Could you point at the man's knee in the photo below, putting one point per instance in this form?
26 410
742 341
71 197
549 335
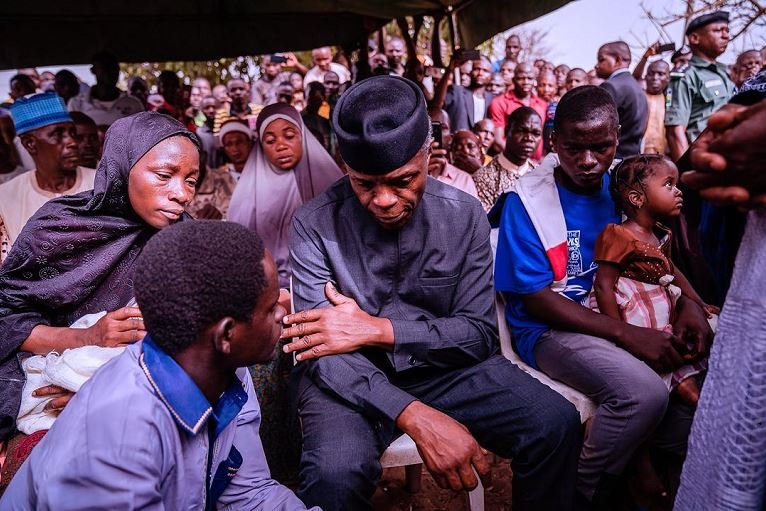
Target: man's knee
562 426
336 471
339 479
645 399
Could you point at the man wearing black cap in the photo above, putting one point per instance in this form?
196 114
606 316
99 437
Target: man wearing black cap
411 343
680 60
704 87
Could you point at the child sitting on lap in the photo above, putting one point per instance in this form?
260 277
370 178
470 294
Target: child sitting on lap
636 280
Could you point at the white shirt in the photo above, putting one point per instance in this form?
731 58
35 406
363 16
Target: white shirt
21 197
317 75
460 179
478 108
105 112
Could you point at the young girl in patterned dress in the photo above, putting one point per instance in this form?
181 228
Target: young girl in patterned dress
636 281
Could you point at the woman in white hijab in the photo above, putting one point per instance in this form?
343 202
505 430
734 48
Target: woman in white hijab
286 168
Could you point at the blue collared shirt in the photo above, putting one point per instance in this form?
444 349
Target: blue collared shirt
131 438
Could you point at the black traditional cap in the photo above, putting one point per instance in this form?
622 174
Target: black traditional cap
683 50
381 123
707 19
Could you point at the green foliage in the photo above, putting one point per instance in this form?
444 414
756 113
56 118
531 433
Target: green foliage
216 71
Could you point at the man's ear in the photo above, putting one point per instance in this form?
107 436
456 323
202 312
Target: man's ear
694 38
29 142
223 333
554 137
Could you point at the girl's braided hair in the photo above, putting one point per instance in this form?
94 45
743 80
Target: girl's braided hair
630 174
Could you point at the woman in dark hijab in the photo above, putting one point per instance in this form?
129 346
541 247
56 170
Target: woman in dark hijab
76 255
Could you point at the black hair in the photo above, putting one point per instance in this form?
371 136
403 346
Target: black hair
195 273
518 115
631 174
680 52
107 60
29 83
171 76
67 75
81 118
313 87
617 49
585 103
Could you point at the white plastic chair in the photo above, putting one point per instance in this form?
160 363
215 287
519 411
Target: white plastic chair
584 405
404 453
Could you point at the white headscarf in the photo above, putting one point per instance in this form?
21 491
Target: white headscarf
266 197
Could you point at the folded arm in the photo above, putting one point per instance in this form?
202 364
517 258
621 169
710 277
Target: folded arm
467 335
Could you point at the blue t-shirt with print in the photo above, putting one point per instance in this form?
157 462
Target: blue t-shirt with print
521 266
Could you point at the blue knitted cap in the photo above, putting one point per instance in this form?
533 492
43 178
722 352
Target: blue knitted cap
38 110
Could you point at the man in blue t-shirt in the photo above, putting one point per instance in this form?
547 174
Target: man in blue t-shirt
545 268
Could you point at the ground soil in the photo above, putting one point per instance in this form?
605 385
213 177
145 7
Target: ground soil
392 494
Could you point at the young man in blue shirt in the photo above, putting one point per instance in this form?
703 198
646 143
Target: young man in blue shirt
545 268
172 422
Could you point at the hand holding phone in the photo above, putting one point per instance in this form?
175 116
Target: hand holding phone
436 132
664 48
466 54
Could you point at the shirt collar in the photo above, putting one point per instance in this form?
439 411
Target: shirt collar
182 397
700 62
506 163
534 100
512 167
619 72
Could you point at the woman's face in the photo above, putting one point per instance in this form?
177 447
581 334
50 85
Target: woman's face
282 144
162 183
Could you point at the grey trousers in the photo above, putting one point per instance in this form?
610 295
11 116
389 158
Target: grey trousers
632 401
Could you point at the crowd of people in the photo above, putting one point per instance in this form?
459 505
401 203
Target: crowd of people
358 221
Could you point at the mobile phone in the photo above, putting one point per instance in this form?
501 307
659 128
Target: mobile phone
436 131
464 55
664 48
278 59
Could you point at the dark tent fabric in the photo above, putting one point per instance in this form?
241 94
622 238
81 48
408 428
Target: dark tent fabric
46 32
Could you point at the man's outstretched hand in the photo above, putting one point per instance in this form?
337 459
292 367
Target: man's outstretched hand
449 451
342 328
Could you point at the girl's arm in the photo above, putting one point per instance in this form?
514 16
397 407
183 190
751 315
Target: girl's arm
688 291
604 286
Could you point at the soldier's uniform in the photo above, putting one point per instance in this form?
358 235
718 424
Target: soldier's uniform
703 88
694 95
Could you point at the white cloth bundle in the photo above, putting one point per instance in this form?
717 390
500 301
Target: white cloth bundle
69 370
